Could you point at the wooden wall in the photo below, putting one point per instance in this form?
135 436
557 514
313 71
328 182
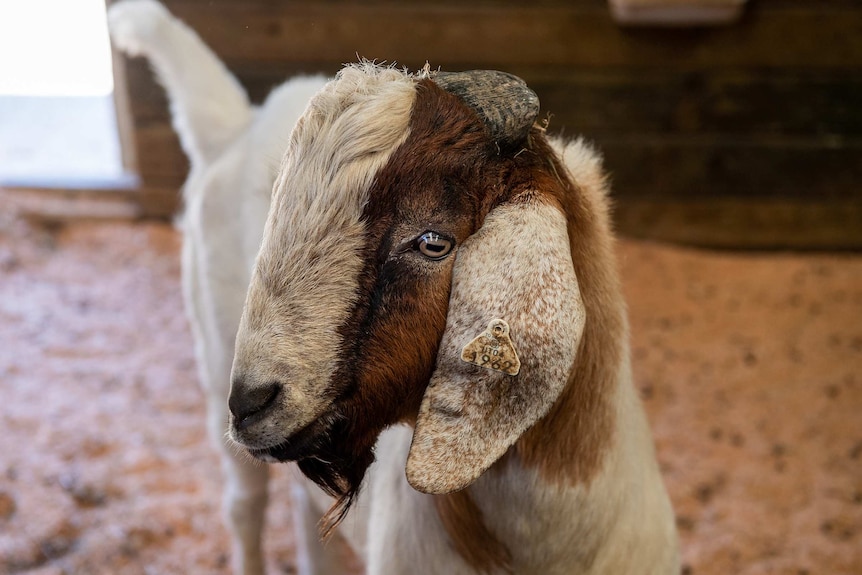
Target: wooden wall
746 135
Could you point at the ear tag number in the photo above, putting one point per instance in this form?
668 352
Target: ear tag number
493 349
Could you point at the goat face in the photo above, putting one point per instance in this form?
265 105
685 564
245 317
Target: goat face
385 183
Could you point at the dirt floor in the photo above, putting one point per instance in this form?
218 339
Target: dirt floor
750 366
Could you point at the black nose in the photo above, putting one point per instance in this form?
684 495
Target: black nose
251 405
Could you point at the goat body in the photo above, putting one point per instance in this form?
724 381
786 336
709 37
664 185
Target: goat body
350 340
442 217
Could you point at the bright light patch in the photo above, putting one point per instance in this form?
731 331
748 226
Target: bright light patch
54 48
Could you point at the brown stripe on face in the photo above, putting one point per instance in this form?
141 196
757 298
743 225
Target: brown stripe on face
443 178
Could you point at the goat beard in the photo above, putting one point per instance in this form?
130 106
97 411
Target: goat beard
341 455
338 467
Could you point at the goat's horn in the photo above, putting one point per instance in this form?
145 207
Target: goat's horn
502 100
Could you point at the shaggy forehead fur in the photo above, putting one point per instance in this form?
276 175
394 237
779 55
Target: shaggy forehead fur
345 136
314 227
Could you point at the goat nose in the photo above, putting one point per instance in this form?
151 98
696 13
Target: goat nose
250 405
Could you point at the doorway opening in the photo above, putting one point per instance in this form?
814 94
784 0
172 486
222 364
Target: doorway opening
58 122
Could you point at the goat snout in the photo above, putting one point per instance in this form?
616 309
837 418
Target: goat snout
248 405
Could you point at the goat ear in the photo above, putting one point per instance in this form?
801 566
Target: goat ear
516 268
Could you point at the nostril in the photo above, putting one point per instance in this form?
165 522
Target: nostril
250 405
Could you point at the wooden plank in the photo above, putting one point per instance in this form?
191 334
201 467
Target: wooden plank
704 167
56 204
744 223
734 103
803 35
160 201
160 158
608 102
148 101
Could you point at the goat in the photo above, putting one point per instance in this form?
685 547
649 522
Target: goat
234 149
435 314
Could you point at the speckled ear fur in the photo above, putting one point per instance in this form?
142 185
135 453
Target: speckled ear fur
518 268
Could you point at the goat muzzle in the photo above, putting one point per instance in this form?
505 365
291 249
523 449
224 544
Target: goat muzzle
249 405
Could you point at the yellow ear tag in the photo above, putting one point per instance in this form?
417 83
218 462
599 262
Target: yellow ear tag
493 349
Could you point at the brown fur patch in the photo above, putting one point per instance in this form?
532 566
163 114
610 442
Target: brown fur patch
581 422
470 537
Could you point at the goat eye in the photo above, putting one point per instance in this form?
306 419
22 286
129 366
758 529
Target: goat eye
433 246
